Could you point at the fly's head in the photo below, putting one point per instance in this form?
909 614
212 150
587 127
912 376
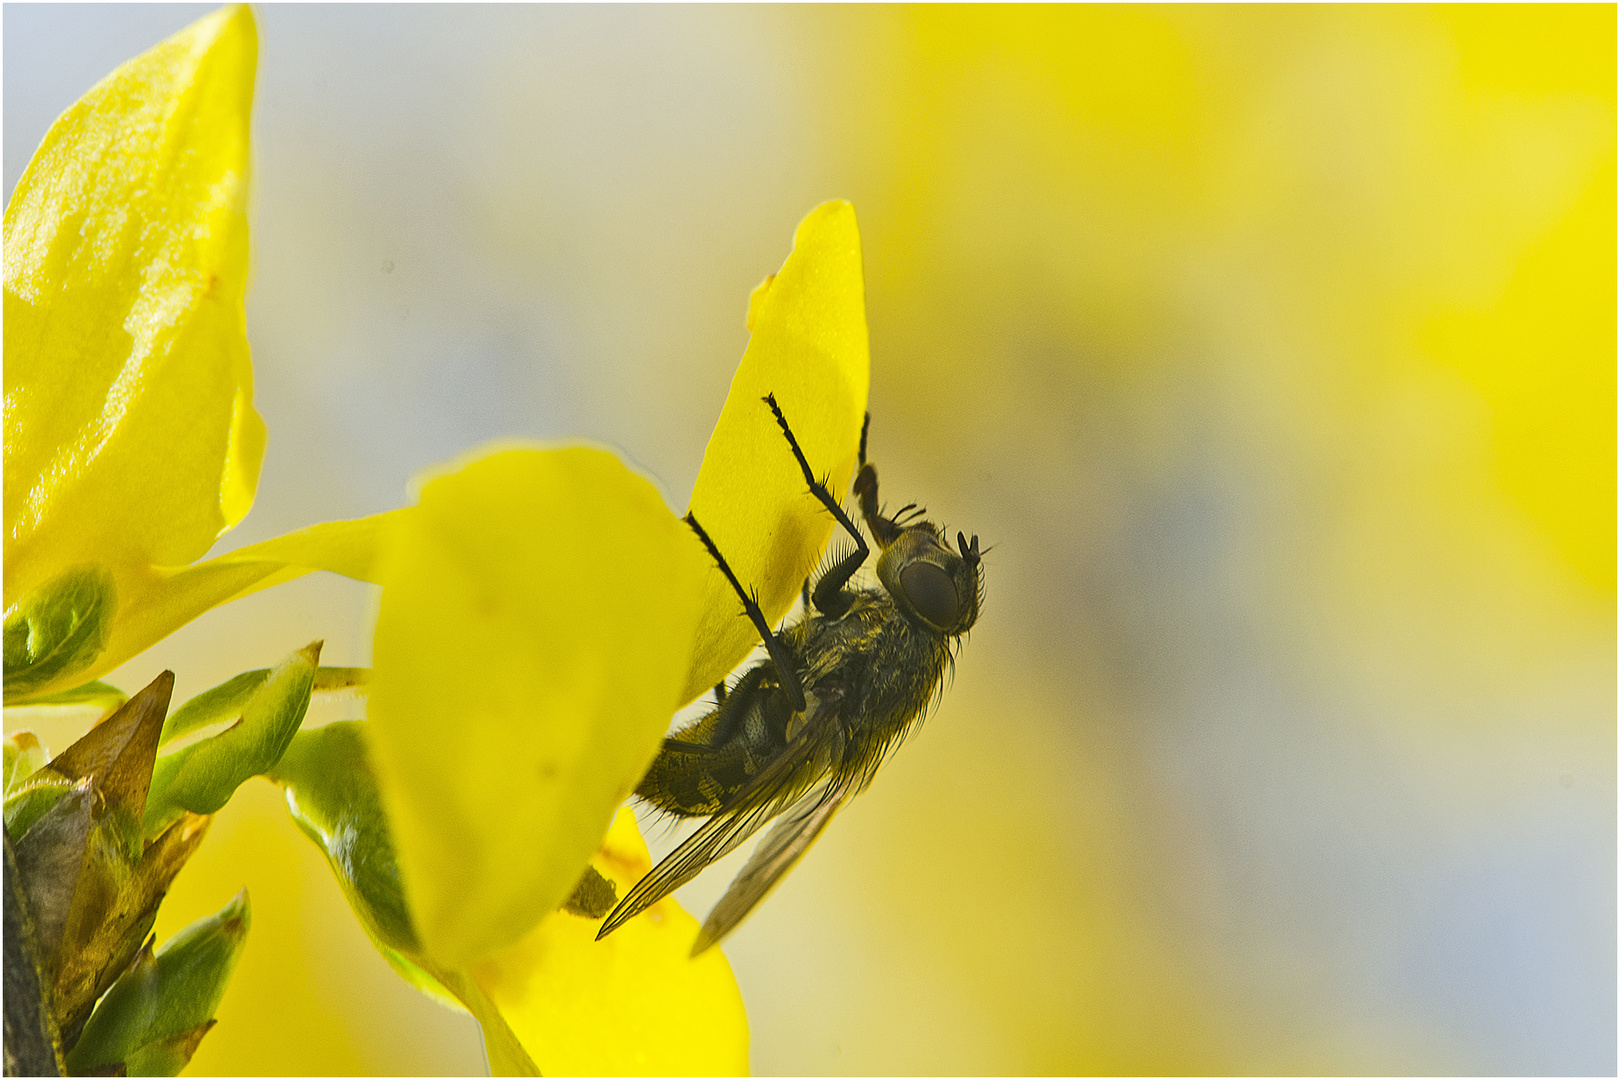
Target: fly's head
933 586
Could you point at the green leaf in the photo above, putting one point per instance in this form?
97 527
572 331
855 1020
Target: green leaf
227 700
202 777
58 629
153 1016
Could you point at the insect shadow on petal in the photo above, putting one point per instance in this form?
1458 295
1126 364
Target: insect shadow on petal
803 731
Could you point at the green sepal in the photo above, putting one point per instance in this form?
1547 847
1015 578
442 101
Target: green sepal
154 1015
227 700
202 777
59 628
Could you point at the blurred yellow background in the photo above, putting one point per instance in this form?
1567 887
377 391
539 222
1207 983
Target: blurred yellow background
1272 349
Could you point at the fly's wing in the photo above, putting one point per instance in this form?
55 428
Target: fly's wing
755 804
776 855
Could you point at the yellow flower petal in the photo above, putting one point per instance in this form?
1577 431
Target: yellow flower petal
130 435
163 599
633 1004
809 349
535 627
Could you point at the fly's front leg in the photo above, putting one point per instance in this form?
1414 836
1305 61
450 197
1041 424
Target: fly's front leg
828 594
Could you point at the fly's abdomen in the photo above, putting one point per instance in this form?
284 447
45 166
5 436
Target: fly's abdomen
702 766
691 782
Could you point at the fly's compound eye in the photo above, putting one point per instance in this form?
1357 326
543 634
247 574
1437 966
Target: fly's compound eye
932 593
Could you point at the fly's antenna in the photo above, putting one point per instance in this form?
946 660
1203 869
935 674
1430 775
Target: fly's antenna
971 556
970 552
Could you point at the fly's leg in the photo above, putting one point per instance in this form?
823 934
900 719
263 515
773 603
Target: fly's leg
773 644
885 530
829 592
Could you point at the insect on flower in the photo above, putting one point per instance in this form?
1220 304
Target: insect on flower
804 731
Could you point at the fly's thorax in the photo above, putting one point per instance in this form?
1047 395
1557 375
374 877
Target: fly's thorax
934 587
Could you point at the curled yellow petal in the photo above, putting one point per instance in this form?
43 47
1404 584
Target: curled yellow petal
632 1004
148 603
535 627
809 349
130 434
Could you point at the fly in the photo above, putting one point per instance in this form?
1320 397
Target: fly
804 731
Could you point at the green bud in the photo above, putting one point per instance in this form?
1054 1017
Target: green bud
155 1014
112 907
58 629
93 888
117 754
202 777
